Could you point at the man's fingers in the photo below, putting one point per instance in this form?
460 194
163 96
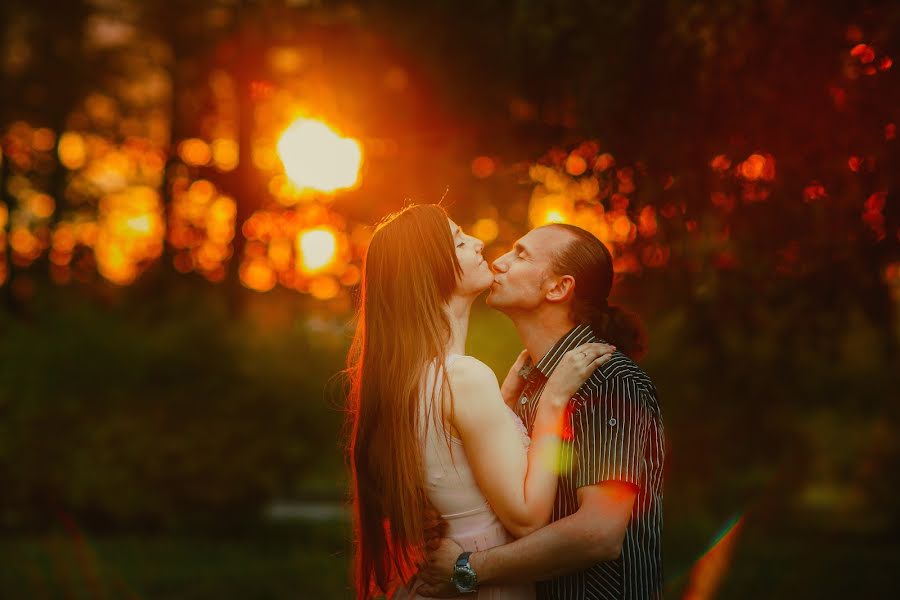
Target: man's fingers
605 358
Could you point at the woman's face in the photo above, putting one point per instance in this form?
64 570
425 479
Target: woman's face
476 273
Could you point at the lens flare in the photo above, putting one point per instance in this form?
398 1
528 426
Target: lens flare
710 569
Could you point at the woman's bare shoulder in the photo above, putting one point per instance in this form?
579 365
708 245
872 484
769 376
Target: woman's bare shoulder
468 370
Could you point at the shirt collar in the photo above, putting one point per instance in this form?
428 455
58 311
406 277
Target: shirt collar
578 335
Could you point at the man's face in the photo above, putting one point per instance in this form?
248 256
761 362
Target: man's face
522 276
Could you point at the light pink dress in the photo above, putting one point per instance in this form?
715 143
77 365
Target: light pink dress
451 487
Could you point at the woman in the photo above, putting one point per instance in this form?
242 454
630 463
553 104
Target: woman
430 427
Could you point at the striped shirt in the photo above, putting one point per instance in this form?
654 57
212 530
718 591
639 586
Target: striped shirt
614 432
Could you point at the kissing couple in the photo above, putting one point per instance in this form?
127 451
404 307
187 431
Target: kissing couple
547 486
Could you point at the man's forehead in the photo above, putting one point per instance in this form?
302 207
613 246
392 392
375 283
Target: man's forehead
543 240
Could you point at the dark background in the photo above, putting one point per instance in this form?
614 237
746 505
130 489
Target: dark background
171 421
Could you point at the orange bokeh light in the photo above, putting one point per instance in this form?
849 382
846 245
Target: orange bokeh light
258 275
753 167
486 230
317 249
324 288
225 154
575 164
647 224
604 161
483 167
195 152
72 150
41 206
43 139
720 163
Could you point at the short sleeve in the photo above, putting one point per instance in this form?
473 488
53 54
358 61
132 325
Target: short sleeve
609 433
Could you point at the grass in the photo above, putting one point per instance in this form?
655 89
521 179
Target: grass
312 562
309 562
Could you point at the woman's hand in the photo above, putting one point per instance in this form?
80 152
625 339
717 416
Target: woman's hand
514 383
575 367
436 570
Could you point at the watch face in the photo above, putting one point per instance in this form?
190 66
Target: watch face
465 580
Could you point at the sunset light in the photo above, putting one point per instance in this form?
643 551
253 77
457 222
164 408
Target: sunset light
229 297
316 158
317 249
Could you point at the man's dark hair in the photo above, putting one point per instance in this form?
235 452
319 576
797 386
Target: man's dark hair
587 260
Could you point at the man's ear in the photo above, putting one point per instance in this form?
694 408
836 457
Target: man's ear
562 290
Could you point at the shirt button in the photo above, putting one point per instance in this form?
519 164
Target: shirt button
523 399
612 422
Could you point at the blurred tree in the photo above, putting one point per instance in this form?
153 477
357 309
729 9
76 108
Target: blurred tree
43 76
759 137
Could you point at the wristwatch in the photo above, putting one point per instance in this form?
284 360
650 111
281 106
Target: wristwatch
464 575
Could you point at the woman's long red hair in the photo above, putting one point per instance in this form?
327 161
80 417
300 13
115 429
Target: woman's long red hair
409 274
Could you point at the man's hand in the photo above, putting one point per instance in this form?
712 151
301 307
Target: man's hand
437 570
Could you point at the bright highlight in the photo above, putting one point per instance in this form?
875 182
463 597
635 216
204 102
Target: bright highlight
317 249
316 158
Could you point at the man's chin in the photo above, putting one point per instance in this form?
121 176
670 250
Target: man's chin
491 299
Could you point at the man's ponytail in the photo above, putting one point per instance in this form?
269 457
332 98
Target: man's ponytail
590 263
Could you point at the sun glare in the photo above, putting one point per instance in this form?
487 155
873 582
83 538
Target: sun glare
316 158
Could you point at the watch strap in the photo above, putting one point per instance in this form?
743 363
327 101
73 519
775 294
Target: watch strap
463 559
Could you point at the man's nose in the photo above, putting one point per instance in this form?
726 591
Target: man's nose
499 265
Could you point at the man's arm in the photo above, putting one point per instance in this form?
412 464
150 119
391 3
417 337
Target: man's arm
593 534
610 433
609 438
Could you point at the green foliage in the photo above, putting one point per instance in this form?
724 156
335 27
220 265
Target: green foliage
161 410
308 562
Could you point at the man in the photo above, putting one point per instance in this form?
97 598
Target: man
604 539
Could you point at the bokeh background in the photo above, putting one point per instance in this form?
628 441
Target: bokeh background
188 188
